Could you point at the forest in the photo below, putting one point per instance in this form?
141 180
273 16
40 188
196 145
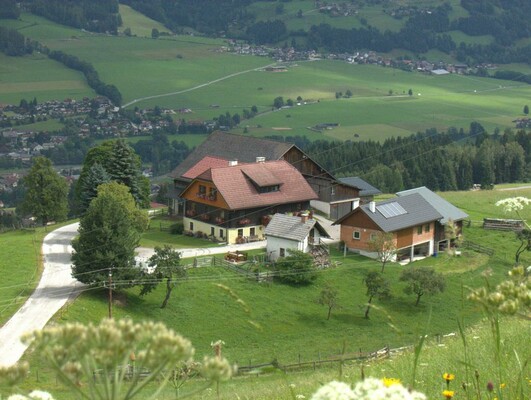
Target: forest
443 161
92 15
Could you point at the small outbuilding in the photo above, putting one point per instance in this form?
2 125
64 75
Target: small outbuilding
285 232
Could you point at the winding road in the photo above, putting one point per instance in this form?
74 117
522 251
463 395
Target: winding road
57 286
54 289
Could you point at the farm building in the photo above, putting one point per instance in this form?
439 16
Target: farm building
448 211
286 232
410 219
334 197
232 202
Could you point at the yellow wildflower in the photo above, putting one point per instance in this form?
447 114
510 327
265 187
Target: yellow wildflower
448 394
448 377
390 381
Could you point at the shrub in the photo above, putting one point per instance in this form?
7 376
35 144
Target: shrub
297 268
177 228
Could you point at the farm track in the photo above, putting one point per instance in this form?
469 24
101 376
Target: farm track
156 96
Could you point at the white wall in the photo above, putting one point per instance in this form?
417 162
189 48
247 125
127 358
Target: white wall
274 245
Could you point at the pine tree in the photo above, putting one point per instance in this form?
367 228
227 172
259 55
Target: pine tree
96 176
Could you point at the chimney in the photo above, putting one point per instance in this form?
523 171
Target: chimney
304 217
372 206
260 159
232 163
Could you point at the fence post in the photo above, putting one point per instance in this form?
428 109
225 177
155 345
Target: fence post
388 351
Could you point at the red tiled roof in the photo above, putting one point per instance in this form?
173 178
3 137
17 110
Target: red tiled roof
204 164
239 192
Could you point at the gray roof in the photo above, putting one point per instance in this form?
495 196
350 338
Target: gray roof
412 210
366 189
233 147
445 208
292 228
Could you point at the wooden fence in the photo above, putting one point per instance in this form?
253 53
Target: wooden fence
467 244
244 269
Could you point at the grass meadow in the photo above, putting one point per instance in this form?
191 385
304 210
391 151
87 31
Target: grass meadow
277 321
37 76
20 266
190 72
139 24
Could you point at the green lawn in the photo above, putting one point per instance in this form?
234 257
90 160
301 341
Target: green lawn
37 76
20 266
139 24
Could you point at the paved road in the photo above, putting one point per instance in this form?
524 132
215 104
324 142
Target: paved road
57 286
54 289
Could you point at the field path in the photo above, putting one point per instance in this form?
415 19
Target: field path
156 96
54 289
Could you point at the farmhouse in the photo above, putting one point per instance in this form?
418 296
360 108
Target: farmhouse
334 197
367 191
411 220
285 232
232 202
448 211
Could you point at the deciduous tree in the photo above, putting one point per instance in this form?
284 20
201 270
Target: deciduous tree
109 232
377 286
421 281
165 265
46 195
328 297
383 244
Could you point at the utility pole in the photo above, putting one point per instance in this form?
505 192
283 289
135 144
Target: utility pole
110 293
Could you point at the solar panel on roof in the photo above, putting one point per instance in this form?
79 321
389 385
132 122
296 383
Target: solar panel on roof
390 210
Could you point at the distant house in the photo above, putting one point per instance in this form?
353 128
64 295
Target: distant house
410 219
366 190
286 232
448 211
334 198
233 202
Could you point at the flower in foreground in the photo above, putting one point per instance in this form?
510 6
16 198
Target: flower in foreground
448 394
448 377
390 381
368 389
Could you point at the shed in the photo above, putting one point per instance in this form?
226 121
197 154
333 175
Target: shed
285 232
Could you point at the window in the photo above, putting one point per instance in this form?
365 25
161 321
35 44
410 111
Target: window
282 252
212 193
356 235
191 226
252 233
373 236
268 189
240 232
202 189
221 234
427 228
212 231
419 230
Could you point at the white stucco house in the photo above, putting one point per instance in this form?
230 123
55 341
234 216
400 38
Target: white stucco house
285 232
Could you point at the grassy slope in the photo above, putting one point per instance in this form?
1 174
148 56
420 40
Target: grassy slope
139 24
20 266
37 76
284 314
283 321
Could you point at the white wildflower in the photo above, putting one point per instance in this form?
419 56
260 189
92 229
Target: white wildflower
40 395
513 204
368 389
17 397
334 391
300 396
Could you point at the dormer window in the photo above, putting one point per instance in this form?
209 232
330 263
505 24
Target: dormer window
268 189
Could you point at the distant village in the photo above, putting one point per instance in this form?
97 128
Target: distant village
290 54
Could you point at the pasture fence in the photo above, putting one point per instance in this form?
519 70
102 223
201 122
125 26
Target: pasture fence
467 244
